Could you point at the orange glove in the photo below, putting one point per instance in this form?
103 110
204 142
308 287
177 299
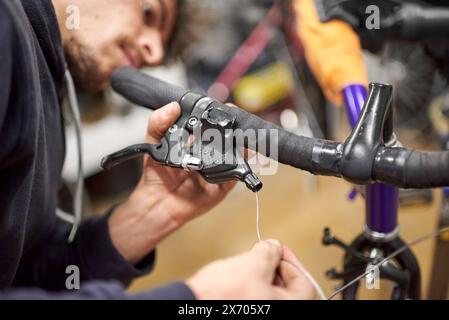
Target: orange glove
332 50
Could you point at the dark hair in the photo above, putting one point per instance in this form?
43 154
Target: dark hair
191 19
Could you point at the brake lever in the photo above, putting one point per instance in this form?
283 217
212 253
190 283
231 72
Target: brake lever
157 152
218 161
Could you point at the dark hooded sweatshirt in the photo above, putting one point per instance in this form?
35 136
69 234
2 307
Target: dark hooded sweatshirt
34 252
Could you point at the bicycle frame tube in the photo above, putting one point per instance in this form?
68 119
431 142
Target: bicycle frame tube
381 201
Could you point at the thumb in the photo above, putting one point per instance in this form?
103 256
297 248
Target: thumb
268 255
161 120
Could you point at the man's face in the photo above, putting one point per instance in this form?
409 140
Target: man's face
116 33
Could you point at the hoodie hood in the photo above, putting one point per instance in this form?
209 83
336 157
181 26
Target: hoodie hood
43 20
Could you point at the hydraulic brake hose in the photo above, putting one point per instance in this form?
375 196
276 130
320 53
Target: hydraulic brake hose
361 159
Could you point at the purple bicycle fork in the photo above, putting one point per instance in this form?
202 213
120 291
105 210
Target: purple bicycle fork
446 191
381 201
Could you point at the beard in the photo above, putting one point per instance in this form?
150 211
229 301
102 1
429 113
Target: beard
84 68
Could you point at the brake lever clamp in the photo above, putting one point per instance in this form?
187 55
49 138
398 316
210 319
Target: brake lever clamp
213 152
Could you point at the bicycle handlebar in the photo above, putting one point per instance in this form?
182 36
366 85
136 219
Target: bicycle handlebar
404 19
363 159
153 93
418 22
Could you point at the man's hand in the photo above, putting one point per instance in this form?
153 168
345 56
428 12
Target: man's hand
267 272
164 200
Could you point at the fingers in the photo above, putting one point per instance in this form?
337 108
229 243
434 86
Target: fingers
288 255
161 120
296 283
291 276
278 282
228 186
268 254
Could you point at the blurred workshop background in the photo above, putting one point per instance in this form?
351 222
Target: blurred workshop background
250 54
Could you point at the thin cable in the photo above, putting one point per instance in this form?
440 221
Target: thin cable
259 237
309 277
391 256
78 197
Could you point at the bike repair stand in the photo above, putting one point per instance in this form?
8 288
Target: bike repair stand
381 234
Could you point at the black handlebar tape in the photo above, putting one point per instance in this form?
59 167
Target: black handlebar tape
153 93
420 22
291 149
412 169
144 90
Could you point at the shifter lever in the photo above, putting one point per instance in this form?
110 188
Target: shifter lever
218 161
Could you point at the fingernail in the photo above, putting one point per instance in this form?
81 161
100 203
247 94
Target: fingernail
274 242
